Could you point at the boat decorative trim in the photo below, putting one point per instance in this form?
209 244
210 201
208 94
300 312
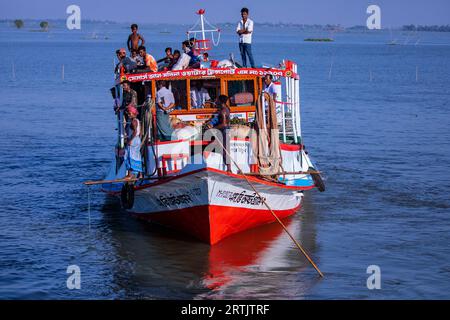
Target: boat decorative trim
212 72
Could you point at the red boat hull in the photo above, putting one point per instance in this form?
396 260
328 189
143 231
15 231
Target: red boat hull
211 223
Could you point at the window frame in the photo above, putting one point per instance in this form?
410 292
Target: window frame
257 83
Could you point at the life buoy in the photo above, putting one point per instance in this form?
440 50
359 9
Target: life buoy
317 178
127 196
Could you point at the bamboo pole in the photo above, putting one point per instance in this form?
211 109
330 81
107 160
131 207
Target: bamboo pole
94 182
299 246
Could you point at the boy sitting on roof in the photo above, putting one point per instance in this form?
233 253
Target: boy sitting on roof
205 63
136 57
175 58
168 57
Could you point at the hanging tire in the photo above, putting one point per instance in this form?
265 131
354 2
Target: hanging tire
317 178
127 196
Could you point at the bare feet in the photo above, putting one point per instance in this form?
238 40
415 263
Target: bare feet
129 176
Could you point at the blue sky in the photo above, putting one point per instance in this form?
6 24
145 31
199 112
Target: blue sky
345 12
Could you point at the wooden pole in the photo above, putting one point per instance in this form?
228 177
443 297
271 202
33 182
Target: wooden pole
299 246
90 183
331 69
13 72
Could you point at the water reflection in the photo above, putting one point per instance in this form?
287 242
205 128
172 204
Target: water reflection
155 262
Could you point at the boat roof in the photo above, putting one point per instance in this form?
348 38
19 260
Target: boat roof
209 73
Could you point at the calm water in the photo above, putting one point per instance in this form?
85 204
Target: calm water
380 134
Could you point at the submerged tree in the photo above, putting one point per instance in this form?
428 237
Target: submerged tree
44 25
19 23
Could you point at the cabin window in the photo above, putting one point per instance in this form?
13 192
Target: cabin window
178 88
241 93
204 93
140 91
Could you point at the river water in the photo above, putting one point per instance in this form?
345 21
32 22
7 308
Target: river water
376 119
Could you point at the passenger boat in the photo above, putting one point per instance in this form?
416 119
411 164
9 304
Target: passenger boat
186 185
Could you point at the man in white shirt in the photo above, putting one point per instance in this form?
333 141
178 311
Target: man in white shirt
165 102
270 89
199 96
245 30
269 86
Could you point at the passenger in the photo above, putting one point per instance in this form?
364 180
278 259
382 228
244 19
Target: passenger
124 62
176 56
223 125
199 96
182 62
269 86
133 39
116 69
137 58
194 62
129 95
245 30
270 89
149 61
133 158
168 58
205 63
165 102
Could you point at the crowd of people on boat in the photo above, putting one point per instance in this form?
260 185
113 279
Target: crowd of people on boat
189 57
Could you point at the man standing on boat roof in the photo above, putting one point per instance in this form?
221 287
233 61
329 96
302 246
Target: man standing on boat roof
244 30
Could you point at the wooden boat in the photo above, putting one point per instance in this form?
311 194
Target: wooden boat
186 185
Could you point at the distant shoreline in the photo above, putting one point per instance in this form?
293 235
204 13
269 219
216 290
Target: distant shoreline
312 27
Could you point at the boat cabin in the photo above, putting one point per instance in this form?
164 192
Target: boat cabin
242 85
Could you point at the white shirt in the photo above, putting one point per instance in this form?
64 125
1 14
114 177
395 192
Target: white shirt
245 38
270 89
165 96
198 97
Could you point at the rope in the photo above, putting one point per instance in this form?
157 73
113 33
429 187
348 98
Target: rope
195 25
303 251
209 24
218 39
